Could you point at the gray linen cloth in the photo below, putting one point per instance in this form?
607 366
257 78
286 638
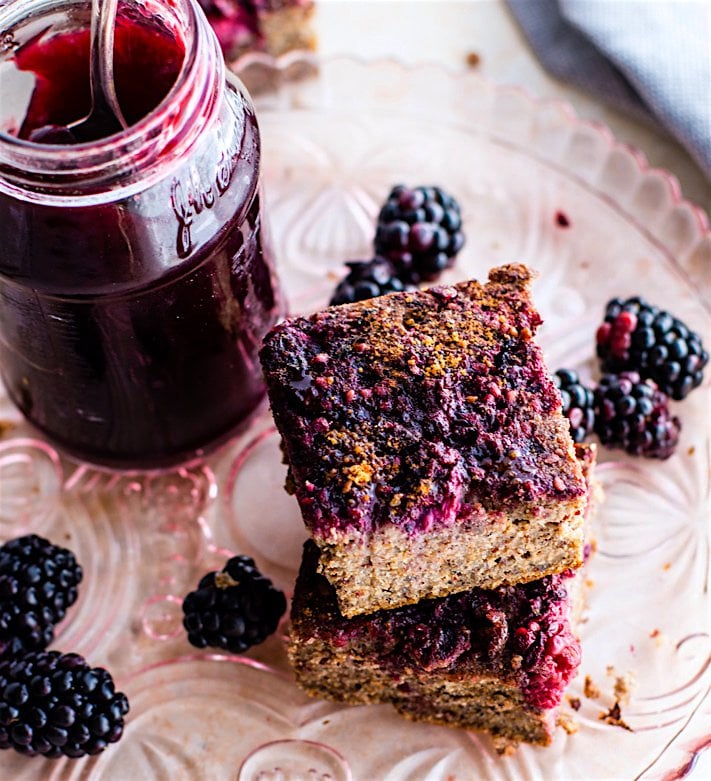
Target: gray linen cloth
649 58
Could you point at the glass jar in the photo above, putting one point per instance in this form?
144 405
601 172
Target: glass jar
136 280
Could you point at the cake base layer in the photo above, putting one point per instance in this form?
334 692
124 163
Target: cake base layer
392 568
288 29
482 704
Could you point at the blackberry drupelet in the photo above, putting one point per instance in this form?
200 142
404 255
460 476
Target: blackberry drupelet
578 403
368 279
38 582
55 704
633 414
420 230
233 609
636 336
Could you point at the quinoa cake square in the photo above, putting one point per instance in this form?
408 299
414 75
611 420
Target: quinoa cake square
270 26
425 442
493 660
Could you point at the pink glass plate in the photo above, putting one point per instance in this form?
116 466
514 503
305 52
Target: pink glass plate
333 145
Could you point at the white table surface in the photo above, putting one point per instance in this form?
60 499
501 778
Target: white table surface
446 31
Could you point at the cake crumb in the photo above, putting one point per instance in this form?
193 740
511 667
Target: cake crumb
6 426
574 703
590 690
570 726
503 746
473 59
667 566
624 687
659 637
613 717
691 450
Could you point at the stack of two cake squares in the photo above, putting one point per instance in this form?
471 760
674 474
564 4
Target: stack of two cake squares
445 504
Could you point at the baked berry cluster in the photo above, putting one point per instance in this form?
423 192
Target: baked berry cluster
51 704
418 235
647 356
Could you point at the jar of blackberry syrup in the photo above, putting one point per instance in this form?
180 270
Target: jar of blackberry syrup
136 279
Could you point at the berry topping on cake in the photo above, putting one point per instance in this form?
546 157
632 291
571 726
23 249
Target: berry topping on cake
633 414
486 627
272 26
636 336
38 582
231 20
233 609
56 704
368 279
578 403
420 230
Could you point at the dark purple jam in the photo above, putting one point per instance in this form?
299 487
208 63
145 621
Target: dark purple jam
130 326
419 408
151 374
147 61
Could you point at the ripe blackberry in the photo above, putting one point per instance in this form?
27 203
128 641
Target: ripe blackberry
636 336
38 582
368 279
578 403
233 609
633 414
420 230
53 704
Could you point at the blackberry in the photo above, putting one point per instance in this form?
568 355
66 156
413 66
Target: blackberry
420 231
636 336
55 704
633 414
233 609
38 582
368 279
578 403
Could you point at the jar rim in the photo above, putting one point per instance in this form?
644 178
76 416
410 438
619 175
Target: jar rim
96 159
